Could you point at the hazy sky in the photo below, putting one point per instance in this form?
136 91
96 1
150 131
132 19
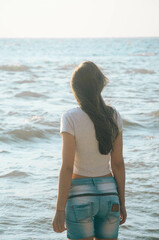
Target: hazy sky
79 18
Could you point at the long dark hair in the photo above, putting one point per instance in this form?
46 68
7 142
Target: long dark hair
87 83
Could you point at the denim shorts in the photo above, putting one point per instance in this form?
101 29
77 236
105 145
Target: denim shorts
92 208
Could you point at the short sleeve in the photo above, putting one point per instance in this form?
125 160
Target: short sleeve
119 121
66 124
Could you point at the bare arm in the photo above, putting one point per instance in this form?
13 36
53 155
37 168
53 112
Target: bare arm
118 167
65 176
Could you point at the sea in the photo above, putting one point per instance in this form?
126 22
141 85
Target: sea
35 90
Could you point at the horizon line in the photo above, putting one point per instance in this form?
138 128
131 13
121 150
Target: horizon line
75 37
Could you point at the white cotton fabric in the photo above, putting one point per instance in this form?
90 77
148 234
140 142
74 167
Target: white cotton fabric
88 160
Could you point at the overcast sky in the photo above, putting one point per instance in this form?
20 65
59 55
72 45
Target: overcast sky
79 18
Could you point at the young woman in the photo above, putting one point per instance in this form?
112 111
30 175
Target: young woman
91 191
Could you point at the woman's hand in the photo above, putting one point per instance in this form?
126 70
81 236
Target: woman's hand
123 214
58 221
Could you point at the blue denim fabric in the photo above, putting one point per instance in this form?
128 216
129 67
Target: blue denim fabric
93 208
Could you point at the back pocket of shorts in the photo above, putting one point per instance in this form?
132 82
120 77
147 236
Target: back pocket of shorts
83 212
114 211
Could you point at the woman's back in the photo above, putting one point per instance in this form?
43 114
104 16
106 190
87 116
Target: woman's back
88 160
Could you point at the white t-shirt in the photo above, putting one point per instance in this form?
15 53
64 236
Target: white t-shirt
88 160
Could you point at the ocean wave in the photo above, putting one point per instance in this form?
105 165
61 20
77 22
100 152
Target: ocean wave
12 113
15 173
47 61
129 123
14 68
67 66
142 71
25 81
30 94
144 54
30 132
41 120
4 139
38 67
154 113
25 134
34 118
3 151
154 214
150 137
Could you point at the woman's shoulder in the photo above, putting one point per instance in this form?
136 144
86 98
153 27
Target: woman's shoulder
72 112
